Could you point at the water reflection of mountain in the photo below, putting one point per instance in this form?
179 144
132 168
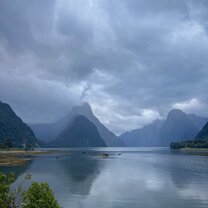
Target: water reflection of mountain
187 171
81 171
188 175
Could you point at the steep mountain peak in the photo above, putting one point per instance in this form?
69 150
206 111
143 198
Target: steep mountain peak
6 112
80 133
109 138
177 127
175 113
80 119
5 106
84 108
86 105
53 130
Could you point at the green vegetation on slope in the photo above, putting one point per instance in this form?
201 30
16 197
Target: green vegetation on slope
39 195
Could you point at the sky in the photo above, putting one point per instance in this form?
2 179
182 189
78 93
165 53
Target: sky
131 60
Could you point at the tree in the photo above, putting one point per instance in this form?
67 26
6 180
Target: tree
39 195
8 143
28 147
7 198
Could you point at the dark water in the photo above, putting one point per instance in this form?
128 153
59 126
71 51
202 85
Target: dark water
142 177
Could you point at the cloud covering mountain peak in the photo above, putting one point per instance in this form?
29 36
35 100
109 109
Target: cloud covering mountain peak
125 56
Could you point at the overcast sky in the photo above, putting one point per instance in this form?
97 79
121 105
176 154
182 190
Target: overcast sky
132 60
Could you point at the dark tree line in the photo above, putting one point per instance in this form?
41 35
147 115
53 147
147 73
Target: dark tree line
189 144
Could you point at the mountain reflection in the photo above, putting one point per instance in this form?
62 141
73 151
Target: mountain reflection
188 177
182 177
152 179
185 171
81 170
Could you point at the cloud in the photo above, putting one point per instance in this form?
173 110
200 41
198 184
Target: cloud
123 57
192 105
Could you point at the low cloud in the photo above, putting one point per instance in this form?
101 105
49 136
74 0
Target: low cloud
192 105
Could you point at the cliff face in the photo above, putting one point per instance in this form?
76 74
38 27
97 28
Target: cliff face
14 129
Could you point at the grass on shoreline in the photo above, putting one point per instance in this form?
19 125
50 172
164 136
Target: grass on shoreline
12 160
15 157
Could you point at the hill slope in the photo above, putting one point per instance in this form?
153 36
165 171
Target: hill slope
14 129
147 136
203 134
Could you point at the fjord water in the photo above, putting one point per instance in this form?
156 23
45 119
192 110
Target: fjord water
138 177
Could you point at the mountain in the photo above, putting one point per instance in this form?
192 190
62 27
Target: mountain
198 121
48 132
203 134
178 126
145 137
14 129
109 137
200 141
81 132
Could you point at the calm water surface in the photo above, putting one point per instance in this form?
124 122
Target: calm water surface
139 177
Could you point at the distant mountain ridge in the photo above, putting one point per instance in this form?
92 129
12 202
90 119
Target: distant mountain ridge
49 132
79 133
146 136
14 129
178 126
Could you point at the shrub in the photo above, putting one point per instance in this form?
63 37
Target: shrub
7 199
39 195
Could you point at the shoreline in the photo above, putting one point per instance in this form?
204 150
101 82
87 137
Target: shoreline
16 157
20 157
195 151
